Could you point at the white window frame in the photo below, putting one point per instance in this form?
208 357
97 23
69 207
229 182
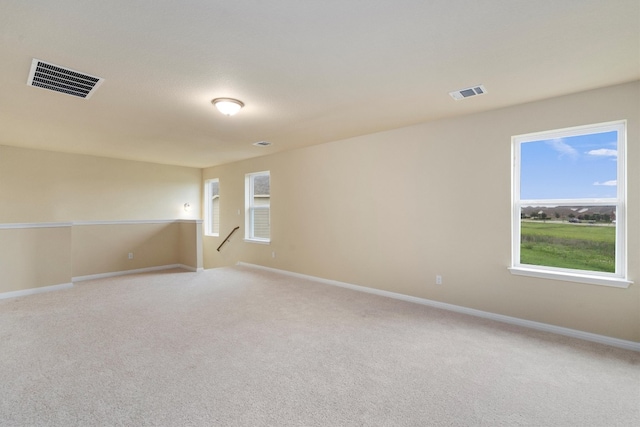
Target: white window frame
619 277
250 208
208 208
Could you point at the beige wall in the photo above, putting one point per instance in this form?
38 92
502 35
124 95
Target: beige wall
34 257
393 209
43 186
189 246
46 187
104 248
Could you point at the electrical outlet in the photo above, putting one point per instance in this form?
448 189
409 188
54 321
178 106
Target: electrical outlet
273 254
130 255
438 280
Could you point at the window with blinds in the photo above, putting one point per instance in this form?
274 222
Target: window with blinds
257 207
212 207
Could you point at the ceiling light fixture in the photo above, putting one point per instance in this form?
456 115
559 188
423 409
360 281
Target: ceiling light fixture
228 106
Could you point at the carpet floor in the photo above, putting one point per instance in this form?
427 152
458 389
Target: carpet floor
243 347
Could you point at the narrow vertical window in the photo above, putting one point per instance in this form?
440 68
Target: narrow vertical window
212 207
569 204
257 207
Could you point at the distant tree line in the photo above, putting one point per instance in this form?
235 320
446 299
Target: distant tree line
596 217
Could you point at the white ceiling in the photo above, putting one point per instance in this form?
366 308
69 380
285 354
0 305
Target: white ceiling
308 71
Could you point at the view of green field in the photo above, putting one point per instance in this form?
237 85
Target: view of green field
576 246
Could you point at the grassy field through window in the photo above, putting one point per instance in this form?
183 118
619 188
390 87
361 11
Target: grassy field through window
576 246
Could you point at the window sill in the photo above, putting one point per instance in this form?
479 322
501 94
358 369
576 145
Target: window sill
260 242
591 279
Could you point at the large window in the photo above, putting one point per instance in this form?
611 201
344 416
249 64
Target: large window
212 207
569 204
257 207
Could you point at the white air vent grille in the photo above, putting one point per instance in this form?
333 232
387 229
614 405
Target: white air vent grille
262 144
468 92
59 79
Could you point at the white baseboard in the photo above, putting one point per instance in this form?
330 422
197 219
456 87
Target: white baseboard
31 291
135 271
573 333
192 269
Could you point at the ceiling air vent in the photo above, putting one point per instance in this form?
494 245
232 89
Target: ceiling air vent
60 79
468 92
262 144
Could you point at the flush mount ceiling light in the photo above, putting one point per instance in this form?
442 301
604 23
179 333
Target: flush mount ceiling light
227 106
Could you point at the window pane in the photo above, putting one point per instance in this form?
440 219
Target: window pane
260 222
214 188
215 215
582 166
261 185
214 193
574 237
257 205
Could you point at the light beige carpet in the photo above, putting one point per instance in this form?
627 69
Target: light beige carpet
243 347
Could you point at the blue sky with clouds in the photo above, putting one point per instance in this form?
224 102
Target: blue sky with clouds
583 166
